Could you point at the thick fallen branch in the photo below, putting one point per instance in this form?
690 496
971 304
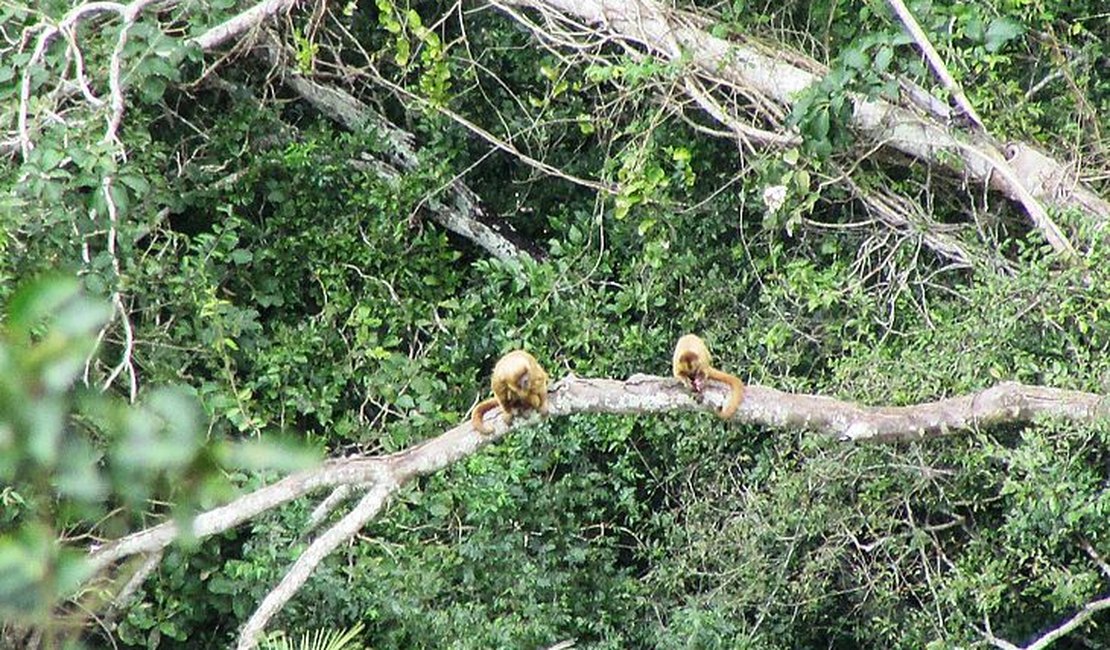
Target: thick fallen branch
1006 403
672 34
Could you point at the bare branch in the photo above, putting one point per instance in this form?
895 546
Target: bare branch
342 531
906 216
253 17
1008 182
935 62
646 23
66 27
1005 403
697 91
242 23
504 145
47 32
1054 634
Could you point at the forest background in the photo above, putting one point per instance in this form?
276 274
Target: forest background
254 256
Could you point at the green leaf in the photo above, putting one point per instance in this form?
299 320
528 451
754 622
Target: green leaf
1001 31
36 300
403 51
883 58
269 454
854 58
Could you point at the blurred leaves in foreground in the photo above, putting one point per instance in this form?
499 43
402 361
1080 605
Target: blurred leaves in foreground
79 464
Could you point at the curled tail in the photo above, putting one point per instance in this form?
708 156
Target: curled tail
479 413
736 391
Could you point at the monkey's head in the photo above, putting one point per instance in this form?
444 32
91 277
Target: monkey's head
523 381
690 367
518 373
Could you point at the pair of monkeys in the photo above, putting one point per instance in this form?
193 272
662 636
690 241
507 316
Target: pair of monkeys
519 382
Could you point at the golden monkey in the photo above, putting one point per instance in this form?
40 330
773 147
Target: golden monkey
518 383
693 366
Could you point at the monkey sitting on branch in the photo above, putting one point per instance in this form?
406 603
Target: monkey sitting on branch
693 366
518 383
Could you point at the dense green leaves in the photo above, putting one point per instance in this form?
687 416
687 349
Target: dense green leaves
284 293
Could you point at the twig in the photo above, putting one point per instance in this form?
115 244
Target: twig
504 145
126 362
896 212
1052 635
697 91
1095 556
935 62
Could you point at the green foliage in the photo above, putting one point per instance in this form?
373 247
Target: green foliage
320 640
298 295
69 458
408 32
74 458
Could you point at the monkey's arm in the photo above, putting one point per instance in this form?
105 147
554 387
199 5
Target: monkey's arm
479 413
736 390
538 402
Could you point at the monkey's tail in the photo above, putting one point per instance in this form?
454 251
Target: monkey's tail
480 412
736 391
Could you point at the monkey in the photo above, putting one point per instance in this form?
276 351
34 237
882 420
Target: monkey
519 383
693 366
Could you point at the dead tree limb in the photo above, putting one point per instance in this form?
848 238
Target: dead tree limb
1050 637
1005 403
935 62
676 36
458 210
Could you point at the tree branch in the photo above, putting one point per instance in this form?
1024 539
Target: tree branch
1052 635
1005 403
461 213
345 529
935 62
242 23
646 23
